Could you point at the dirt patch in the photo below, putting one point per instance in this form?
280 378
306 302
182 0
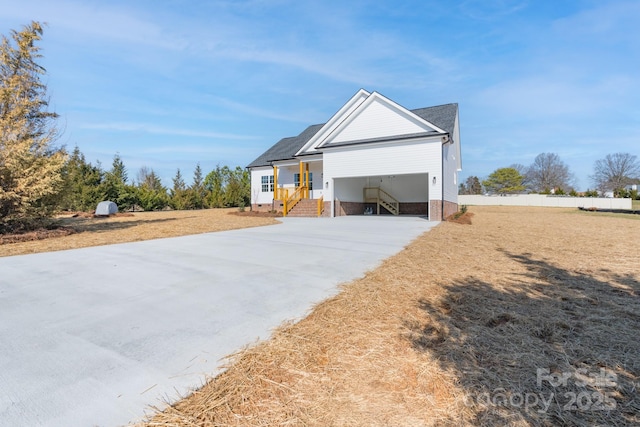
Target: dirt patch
257 214
460 218
38 234
477 325
130 227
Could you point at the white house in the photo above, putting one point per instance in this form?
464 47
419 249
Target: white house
372 156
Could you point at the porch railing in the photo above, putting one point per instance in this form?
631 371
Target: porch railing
290 201
280 193
320 205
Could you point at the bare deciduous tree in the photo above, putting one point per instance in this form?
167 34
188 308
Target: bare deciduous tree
616 171
471 186
548 172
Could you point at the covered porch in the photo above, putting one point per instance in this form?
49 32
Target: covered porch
297 182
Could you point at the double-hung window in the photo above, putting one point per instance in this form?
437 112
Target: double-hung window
267 183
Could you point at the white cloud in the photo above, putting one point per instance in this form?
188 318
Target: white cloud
98 20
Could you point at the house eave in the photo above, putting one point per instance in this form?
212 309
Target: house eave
404 138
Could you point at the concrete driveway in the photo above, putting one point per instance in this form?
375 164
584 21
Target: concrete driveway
91 337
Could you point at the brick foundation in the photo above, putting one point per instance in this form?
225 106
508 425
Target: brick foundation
450 208
435 211
414 208
349 208
267 207
358 208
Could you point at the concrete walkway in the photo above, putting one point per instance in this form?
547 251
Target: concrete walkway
91 337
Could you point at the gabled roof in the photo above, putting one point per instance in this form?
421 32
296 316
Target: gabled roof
443 116
353 129
334 122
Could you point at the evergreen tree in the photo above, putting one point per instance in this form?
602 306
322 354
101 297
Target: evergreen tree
238 189
30 167
214 186
114 187
81 189
504 181
152 195
179 195
197 191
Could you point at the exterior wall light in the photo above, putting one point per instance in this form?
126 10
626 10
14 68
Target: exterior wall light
434 180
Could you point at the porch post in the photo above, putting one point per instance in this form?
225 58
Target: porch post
301 179
307 179
275 182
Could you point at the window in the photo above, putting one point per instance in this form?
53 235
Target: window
296 180
267 183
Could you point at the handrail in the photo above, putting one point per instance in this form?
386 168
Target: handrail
381 197
393 201
320 205
291 201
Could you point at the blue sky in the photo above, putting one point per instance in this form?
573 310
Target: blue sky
168 84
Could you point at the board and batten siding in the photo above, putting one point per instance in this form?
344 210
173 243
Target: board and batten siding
378 120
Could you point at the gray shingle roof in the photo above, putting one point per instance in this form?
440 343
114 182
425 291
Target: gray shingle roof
443 116
286 148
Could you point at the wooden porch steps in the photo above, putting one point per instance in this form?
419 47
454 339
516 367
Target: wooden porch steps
305 208
382 198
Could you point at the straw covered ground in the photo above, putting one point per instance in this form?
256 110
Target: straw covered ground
85 230
528 316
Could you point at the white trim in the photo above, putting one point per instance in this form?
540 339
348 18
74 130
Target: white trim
286 163
334 121
375 96
310 159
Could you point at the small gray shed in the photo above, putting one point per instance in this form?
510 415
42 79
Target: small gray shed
106 208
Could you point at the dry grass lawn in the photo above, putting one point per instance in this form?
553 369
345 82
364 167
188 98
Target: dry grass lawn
139 226
529 316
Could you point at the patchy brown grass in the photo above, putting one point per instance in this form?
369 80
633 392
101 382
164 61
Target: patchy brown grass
87 230
439 333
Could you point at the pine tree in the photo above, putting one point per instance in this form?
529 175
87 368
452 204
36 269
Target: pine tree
152 195
214 185
81 184
197 191
504 181
114 187
30 167
179 196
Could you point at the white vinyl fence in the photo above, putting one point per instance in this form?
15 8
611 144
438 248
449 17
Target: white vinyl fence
545 200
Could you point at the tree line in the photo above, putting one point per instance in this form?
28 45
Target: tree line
84 185
548 174
37 178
